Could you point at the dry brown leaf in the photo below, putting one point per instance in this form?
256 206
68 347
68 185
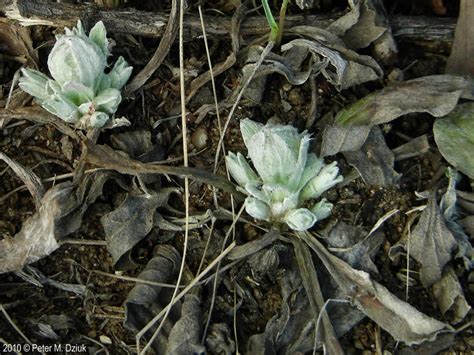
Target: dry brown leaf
403 321
16 41
374 160
30 179
431 243
36 238
131 222
450 297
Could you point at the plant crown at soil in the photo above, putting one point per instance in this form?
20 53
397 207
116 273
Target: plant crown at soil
286 177
80 92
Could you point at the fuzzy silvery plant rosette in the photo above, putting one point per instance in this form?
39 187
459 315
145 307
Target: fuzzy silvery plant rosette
80 91
287 176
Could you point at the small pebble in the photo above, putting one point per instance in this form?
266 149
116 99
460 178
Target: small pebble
199 138
104 339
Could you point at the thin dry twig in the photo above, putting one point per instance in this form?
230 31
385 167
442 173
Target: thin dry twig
234 320
106 157
37 114
320 317
133 279
204 253
186 179
160 54
12 323
214 288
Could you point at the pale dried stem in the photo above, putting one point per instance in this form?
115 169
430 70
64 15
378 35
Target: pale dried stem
7 316
214 286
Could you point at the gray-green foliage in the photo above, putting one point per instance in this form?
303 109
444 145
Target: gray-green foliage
287 175
80 92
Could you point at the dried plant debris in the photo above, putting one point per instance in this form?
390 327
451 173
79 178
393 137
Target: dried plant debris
254 246
431 243
468 225
292 329
60 213
288 65
451 213
403 321
134 143
184 337
30 179
16 42
306 4
340 66
219 339
466 200
52 326
145 300
454 136
374 160
204 78
265 263
131 222
88 191
415 147
325 332
37 115
138 145
355 246
450 298
106 157
436 94
37 278
367 23
37 237
337 138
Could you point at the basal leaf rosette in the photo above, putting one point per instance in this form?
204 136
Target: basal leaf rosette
284 175
80 92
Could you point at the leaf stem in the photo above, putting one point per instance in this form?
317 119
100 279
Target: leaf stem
271 21
281 24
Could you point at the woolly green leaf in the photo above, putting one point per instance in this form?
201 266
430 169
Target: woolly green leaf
98 35
120 73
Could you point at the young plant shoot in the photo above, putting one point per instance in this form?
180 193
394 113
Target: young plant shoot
80 92
286 176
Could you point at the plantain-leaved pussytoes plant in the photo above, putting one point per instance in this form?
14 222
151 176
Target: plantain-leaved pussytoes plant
287 176
80 91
